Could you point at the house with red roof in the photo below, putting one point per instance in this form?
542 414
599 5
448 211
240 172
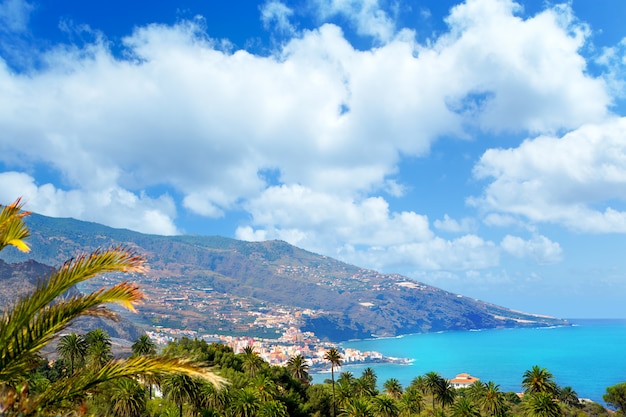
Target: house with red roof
463 380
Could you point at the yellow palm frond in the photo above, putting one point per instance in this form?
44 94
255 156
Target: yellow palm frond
13 230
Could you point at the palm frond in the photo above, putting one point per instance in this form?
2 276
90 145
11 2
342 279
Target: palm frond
77 386
13 230
70 274
19 343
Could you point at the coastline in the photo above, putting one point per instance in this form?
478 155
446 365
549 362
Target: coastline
503 356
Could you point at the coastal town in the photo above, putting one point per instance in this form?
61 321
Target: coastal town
172 309
278 351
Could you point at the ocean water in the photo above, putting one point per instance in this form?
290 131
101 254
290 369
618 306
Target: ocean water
588 356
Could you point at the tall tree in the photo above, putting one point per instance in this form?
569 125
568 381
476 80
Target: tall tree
539 379
357 407
445 393
411 402
251 361
393 388
492 401
385 406
72 348
432 382
616 396
464 407
37 318
181 389
298 368
128 398
363 387
98 348
245 403
368 379
569 397
541 404
144 346
334 357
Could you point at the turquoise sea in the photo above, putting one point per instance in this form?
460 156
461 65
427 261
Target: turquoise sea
588 356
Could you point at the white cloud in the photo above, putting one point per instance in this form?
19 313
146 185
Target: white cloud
114 207
363 232
327 220
515 74
368 16
276 13
15 15
613 59
449 224
540 248
578 180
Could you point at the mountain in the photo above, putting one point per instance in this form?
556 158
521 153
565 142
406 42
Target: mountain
217 284
17 279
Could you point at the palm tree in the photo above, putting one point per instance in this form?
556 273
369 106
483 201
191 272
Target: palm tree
539 380
445 393
357 407
266 388
72 349
363 387
144 346
432 380
541 404
181 389
569 397
128 398
37 318
476 391
419 383
393 388
345 388
411 401
492 400
298 367
385 406
251 362
98 348
245 403
334 357
367 382
464 407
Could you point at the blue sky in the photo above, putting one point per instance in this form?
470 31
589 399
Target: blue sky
478 146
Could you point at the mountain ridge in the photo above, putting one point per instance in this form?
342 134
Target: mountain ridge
343 301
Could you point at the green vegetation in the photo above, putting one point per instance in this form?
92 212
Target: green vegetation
35 319
256 389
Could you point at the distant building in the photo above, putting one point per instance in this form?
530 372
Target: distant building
463 380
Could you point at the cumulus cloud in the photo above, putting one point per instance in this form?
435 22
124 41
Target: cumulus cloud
540 248
276 14
578 180
113 206
449 224
368 16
